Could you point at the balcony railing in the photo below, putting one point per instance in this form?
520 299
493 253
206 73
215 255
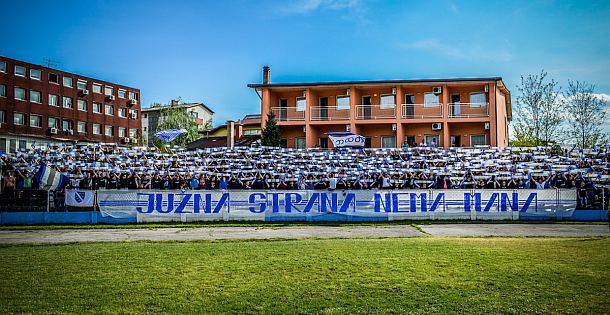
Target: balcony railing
328 113
288 114
365 112
418 111
468 110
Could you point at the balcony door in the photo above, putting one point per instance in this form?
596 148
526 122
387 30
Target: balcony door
323 108
409 108
455 105
283 109
366 109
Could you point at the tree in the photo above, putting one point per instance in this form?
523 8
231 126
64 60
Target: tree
585 115
176 117
271 134
539 116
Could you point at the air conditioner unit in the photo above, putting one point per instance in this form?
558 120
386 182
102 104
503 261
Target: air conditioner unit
393 91
126 140
53 131
85 92
487 126
133 102
437 126
134 115
110 97
134 140
437 90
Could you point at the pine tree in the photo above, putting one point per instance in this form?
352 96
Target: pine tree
271 134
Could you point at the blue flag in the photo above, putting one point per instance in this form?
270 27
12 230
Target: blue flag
50 179
170 134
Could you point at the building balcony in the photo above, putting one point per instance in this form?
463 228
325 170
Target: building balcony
288 114
468 110
366 112
322 113
421 111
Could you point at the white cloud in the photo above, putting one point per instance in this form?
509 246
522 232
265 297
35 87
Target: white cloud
309 6
602 96
460 51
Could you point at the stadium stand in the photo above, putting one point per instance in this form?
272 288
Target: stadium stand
109 166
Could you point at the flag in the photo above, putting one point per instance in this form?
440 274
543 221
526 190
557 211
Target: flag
80 198
346 139
50 179
170 134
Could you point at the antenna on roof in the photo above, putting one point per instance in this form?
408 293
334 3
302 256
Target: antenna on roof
49 63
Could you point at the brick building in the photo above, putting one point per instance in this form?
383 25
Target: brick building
40 105
390 113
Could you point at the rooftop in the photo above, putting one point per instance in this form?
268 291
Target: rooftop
374 82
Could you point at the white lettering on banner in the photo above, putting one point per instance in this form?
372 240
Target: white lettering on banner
347 141
259 204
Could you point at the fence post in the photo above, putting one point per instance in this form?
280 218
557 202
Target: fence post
48 200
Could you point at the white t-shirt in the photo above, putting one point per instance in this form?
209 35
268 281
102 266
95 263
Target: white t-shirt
332 183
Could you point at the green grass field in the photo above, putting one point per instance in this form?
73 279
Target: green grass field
408 275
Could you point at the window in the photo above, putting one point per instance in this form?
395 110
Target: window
35 74
145 115
194 114
432 140
97 108
122 93
53 78
35 121
97 129
410 99
22 144
2 116
81 85
97 88
388 142
252 132
430 100
81 127
123 112
53 99
387 102
109 131
133 132
19 94
20 71
67 125
299 143
133 112
67 102
18 118
53 122
122 132
35 97
477 140
2 90
342 102
301 104
133 96
108 90
2 66
68 82
109 110
82 105
477 100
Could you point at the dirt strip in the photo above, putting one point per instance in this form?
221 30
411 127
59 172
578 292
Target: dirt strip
297 232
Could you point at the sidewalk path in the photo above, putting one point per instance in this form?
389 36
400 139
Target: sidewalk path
297 232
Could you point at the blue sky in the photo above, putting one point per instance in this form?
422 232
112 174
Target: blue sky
209 50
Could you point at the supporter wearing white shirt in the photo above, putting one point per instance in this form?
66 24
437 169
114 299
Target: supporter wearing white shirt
332 182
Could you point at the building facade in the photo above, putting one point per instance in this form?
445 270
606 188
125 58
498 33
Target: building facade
244 132
41 105
151 117
391 113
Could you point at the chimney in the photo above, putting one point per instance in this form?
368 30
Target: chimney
266 75
174 102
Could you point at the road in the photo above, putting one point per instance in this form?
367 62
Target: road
298 232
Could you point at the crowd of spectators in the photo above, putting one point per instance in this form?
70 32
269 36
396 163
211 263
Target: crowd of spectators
115 167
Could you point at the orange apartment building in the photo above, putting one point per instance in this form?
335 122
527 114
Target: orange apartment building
460 112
